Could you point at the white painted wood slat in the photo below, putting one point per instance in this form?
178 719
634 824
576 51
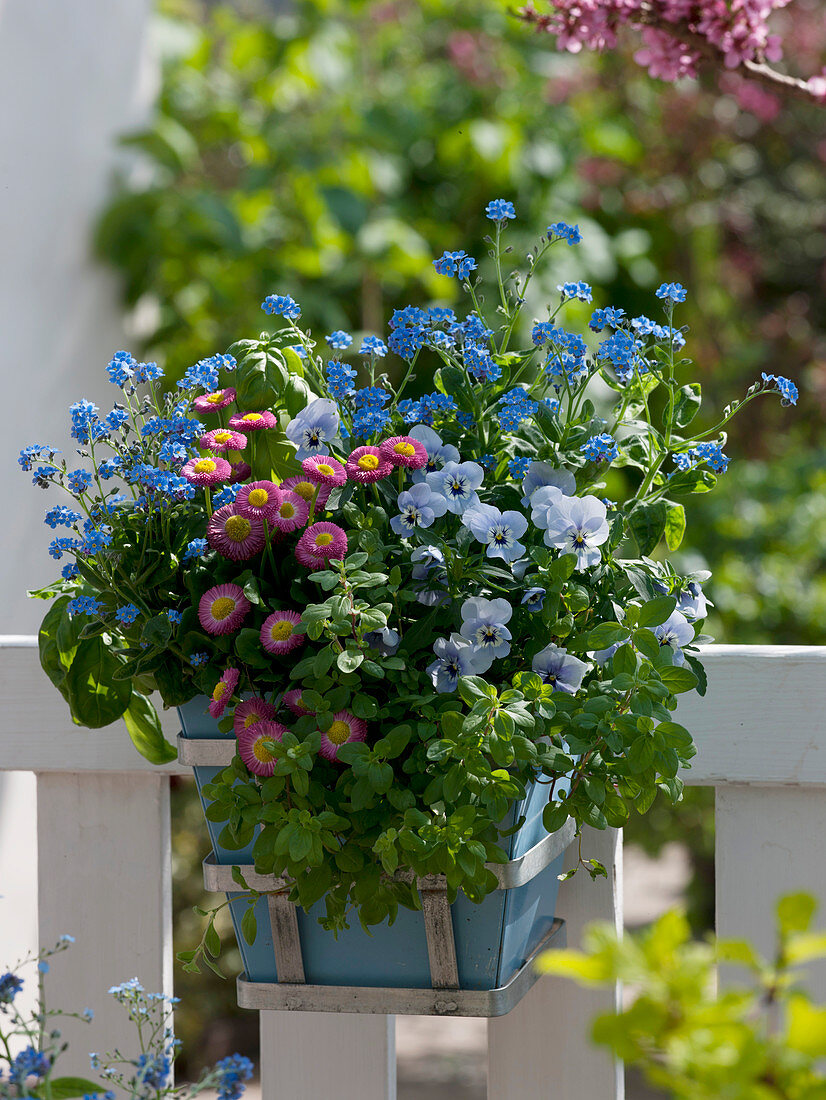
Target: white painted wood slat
541 1049
105 878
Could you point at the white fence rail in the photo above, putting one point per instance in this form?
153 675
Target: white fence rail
104 873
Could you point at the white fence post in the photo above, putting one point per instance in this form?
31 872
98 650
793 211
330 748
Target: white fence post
316 1055
542 1048
105 878
769 841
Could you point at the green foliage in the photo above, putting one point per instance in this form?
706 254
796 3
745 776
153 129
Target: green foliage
763 1040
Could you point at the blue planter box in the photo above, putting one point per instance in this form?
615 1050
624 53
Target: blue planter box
493 939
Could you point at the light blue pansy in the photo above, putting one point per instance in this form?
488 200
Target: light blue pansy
457 482
314 428
498 531
419 506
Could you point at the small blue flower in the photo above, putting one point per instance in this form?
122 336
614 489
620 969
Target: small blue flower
201 375
580 290
69 572
232 1072
121 368
499 210
195 549
339 340
173 616
600 448
86 425
340 379
300 351
127 614
710 453
370 397
455 263
10 986
611 316
116 418
561 231
372 345
59 547
283 305
148 372
198 659
84 605
28 1063
43 967
479 363
518 467
488 461
785 387
671 292
61 516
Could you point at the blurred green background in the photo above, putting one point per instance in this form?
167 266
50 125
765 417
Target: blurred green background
330 150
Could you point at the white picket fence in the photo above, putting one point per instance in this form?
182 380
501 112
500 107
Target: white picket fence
104 874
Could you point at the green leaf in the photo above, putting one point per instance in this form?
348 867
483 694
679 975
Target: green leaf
604 635
687 404
62 1088
349 661
157 631
656 611
144 728
249 649
674 525
95 696
647 523
678 679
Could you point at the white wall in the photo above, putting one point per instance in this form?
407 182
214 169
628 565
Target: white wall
73 75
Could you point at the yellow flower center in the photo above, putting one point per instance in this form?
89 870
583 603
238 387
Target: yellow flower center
251 719
324 539
261 752
214 398
324 468
339 732
237 528
222 437
222 608
286 510
368 462
205 466
305 489
258 498
219 692
252 416
281 631
404 448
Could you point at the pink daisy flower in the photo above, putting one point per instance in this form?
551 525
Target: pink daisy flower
259 498
222 609
292 511
346 727
307 489
222 439
249 712
206 471
324 470
367 464
278 632
240 470
235 536
252 421
222 692
292 699
403 450
211 402
320 542
254 746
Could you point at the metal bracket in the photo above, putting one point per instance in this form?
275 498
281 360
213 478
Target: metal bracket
393 1001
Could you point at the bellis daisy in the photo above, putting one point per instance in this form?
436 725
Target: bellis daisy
249 712
235 536
252 421
222 439
324 470
309 490
367 464
211 402
222 692
255 746
403 450
278 634
346 727
291 512
292 699
222 609
207 471
320 543
259 498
